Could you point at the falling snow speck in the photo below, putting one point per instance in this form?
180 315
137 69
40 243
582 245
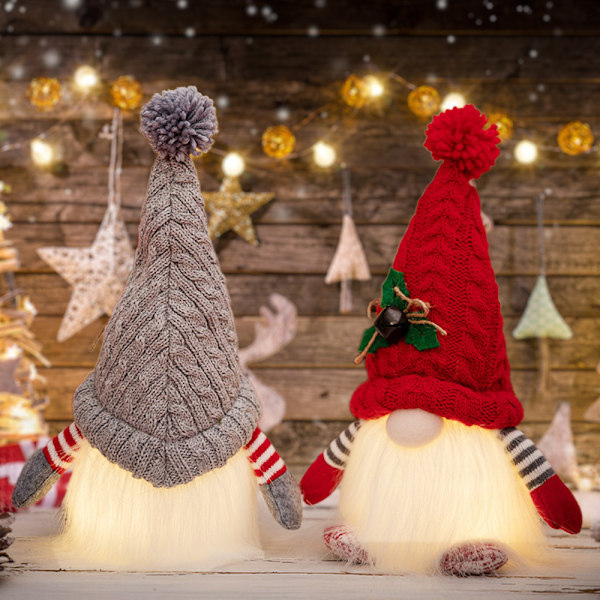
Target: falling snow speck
533 97
251 10
72 4
549 5
51 58
312 31
283 113
320 3
519 8
441 4
541 87
546 18
378 30
117 33
324 114
366 58
493 18
488 72
22 10
157 40
266 11
182 4
478 22
254 131
249 41
451 39
222 101
189 32
533 53
9 6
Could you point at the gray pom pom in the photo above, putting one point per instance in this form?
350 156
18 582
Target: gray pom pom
179 122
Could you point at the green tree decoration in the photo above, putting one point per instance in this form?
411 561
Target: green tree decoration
541 318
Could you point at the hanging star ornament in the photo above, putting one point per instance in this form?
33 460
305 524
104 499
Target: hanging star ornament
97 273
230 209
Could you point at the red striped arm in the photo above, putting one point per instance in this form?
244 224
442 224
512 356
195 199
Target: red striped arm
61 449
263 457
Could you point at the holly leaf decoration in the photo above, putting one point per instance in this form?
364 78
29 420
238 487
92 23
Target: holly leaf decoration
388 296
421 336
366 338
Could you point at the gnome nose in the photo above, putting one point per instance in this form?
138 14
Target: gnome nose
392 323
412 428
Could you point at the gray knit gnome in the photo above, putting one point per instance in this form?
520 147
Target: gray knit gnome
167 400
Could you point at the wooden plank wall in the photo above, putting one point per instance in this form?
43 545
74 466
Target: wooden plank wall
539 62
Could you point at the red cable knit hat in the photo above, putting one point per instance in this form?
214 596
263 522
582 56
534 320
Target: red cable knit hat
443 260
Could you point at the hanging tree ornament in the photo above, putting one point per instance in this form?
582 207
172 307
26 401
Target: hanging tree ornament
97 273
558 447
504 125
270 336
349 261
44 92
575 138
230 209
541 319
126 92
424 101
278 141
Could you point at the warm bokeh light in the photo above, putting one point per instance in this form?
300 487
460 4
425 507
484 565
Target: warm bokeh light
324 155
526 152
85 78
374 86
42 153
453 100
233 165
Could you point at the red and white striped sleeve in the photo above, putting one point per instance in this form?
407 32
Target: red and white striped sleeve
61 449
263 457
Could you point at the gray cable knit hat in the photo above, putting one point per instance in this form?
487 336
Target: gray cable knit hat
168 400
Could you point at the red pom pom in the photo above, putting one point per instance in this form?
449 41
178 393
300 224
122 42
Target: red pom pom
458 135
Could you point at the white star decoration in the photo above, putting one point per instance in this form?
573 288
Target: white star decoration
97 273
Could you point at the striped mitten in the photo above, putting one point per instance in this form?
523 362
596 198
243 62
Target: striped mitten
552 498
278 487
45 467
325 474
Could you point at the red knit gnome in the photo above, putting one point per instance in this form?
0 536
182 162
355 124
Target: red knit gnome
437 343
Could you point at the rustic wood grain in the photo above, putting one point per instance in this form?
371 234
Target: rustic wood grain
308 249
331 341
293 17
325 393
574 296
386 196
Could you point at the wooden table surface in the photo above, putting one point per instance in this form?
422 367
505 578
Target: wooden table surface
290 569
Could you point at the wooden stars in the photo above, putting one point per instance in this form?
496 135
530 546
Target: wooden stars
97 274
230 209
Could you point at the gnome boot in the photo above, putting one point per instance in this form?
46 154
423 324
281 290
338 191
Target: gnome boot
473 558
344 545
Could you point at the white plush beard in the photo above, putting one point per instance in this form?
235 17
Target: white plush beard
407 506
113 520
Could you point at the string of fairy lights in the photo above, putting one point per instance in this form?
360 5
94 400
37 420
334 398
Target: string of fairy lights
279 141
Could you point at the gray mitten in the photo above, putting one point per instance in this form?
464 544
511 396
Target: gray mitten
284 500
35 480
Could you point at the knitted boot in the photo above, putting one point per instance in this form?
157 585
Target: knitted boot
344 545
473 558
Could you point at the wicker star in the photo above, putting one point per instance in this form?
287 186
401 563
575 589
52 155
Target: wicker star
230 208
97 274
